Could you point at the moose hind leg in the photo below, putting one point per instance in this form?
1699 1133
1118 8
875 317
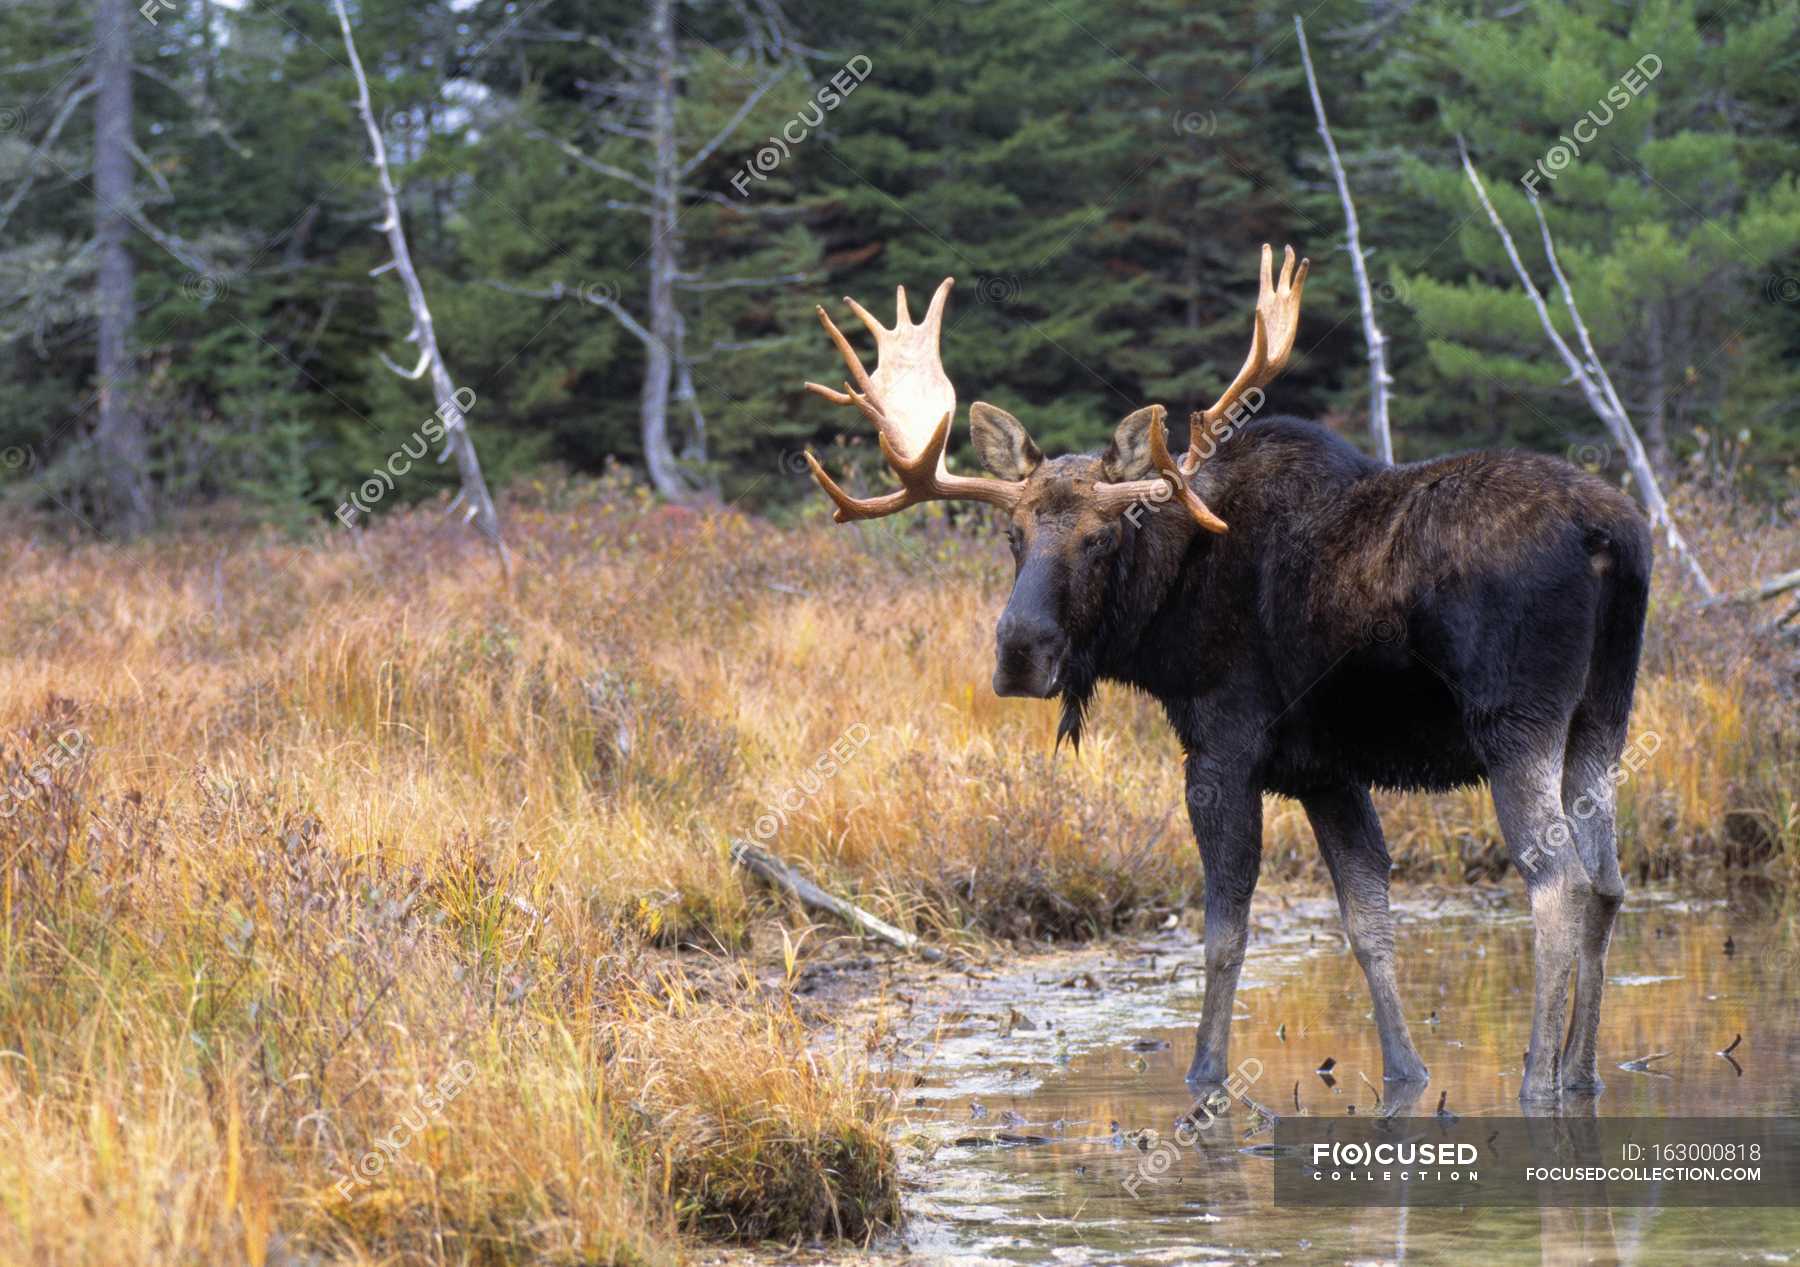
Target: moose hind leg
1228 827
1589 802
1349 834
1528 798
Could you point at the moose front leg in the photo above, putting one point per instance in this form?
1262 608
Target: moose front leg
1349 834
1226 811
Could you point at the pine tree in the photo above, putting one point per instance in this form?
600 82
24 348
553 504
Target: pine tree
1650 137
977 150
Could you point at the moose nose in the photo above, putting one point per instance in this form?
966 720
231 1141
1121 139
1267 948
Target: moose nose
1028 656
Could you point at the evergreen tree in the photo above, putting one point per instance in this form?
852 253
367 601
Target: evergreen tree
977 150
1666 176
1098 176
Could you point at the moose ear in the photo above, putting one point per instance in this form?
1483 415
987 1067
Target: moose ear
1001 442
1128 456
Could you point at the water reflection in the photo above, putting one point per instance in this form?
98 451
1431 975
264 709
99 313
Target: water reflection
1061 1056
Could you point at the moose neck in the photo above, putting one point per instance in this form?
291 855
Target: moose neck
1148 579
1191 611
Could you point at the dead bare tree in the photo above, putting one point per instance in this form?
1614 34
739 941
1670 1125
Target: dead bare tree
457 444
640 102
53 287
119 434
1379 379
1591 377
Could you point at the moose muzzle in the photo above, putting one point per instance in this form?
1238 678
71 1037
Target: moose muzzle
1029 653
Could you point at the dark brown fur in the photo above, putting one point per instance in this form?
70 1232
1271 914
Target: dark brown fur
1424 626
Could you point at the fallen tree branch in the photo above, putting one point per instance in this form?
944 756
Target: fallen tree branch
1760 592
778 873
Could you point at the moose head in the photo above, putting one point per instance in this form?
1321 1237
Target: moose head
1068 515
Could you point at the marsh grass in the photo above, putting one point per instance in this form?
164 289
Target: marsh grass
345 819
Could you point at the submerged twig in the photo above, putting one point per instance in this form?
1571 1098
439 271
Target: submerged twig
1266 1117
1375 1090
1642 1064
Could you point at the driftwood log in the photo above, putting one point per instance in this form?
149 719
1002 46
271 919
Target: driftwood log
778 873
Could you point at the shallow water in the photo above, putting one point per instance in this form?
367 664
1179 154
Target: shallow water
1064 1053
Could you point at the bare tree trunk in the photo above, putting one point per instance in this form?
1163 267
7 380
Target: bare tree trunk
1656 426
457 443
671 423
119 434
1379 380
665 257
693 453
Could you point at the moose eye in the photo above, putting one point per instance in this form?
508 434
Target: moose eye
1100 542
1015 538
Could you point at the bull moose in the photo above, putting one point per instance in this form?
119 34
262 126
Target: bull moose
1314 623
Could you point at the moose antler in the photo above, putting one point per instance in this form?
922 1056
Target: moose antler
911 402
1276 323
1168 484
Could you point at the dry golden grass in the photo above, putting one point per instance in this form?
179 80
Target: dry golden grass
344 845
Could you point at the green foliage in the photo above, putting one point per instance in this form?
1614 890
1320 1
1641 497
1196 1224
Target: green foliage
1097 175
1663 161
